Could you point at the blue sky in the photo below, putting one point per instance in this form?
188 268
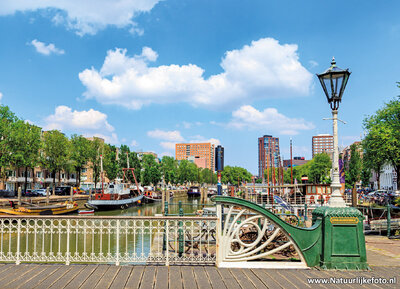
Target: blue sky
152 73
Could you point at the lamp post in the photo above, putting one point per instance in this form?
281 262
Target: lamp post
333 82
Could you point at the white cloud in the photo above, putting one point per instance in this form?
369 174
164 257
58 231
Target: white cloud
168 145
173 135
85 17
134 143
87 123
44 49
268 119
1 96
313 63
263 69
201 139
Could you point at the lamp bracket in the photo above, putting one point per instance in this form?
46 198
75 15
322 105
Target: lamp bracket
337 119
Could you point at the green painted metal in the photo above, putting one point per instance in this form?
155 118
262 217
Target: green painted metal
307 240
388 220
343 242
180 231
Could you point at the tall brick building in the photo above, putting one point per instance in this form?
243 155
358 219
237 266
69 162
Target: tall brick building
322 143
268 153
202 153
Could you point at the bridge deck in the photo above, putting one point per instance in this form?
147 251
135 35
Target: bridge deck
176 277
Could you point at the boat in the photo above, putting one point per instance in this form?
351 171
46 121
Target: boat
118 195
211 192
56 209
194 191
86 212
152 196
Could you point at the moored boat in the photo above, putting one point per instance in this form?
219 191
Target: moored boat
193 191
57 209
86 212
152 196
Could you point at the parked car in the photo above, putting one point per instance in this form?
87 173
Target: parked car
62 191
7 194
41 192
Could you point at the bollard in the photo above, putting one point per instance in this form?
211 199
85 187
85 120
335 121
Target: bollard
47 195
19 196
54 191
71 194
388 220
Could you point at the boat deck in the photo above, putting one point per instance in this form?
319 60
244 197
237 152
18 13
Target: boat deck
176 277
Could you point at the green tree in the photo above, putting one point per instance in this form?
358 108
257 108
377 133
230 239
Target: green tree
365 174
55 152
319 168
24 140
151 172
80 149
7 118
387 121
96 150
169 168
353 175
233 175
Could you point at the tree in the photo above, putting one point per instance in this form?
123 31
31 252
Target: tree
355 165
96 149
24 141
319 168
169 168
80 148
233 175
151 173
365 174
7 118
55 152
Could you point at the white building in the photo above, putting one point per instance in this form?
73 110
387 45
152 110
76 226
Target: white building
387 178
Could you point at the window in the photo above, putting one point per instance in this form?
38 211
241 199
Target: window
38 174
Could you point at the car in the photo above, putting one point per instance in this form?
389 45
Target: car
62 191
7 194
41 192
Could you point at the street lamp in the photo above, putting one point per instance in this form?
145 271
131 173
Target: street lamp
333 82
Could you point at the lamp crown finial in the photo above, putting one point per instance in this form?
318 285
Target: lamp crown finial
333 62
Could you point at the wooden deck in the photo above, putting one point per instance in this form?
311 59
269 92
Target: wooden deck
179 277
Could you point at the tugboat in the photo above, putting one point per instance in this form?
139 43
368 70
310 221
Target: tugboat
116 196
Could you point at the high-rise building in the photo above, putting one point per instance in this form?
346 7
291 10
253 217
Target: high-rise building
201 153
268 153
322 143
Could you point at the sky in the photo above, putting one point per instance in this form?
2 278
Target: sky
150 73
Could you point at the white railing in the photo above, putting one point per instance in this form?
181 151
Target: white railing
92 239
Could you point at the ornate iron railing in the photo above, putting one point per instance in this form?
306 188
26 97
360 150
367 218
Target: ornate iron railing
132 240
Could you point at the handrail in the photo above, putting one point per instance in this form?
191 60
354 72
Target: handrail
308 240
211 218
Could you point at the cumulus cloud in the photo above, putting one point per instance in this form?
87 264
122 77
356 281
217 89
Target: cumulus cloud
168 145
134 143
1 96
85 17
263 69
44 49
173 135
248 117
201 139
86 122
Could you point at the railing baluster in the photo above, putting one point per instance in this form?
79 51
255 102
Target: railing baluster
18 261
68 231
166 231
117 257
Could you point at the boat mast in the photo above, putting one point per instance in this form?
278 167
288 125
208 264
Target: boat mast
102 174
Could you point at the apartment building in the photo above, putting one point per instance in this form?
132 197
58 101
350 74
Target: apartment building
202 154
322 143
268 153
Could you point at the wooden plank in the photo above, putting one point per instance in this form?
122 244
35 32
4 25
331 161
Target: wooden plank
313 274
241 278
336 274
122 277
283 281
148 277
135 278
265 278
95 277
214 277
297 277
81 277
47 281
229 280
6 267
188 277
67 277
201 278
254 279
10 274
47 270
24 277
175 277
16 275
108 277
161 278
